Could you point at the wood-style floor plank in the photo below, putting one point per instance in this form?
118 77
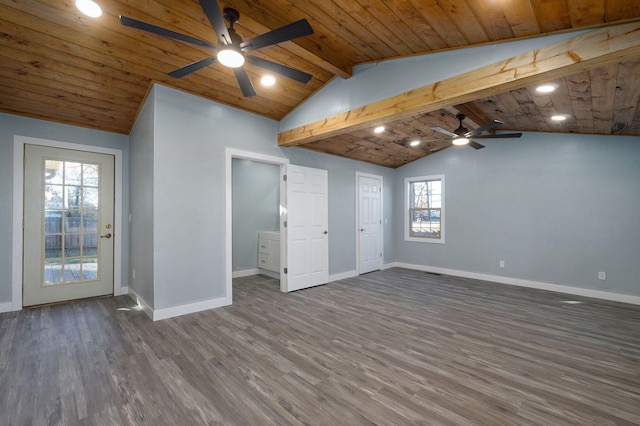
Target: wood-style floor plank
390 347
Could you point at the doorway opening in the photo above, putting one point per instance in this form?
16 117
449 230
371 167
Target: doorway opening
254 215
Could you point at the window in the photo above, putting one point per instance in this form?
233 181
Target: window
424 209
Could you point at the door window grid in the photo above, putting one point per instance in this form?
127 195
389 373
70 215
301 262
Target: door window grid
71 191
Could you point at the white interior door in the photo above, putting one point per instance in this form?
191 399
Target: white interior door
307 228
68 225
370 223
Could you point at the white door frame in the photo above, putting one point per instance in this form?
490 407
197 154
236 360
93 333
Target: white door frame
18 211
369 175
230 154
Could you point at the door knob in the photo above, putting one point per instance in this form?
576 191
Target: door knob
105 236
325 232
362 229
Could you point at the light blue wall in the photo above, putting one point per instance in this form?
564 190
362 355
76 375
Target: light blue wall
556 208
190 138
141 201
256 207
11 125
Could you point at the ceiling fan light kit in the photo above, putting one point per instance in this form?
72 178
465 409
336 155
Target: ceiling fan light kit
230 57
464 136
232 50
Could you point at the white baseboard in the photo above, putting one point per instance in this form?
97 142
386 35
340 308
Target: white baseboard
256 271
389 265
576 291
176 311
342 276
6 307
245 273
190 308
271 274
141 302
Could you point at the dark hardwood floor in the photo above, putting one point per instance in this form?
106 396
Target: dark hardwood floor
392 348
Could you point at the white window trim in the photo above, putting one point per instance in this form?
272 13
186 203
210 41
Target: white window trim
407 237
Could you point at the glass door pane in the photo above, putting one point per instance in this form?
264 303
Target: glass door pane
71 221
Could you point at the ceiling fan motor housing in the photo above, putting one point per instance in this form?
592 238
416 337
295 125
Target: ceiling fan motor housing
231 15
461 130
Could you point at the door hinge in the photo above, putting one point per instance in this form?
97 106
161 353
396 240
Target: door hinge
380 254
285 224
380 221
284 178
285 270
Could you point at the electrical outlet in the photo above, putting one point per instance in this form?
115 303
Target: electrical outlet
602 275
502 263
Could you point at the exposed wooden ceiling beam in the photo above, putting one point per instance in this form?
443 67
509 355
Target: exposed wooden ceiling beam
583 52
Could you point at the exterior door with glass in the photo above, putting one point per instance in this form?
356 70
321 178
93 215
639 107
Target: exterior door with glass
68 225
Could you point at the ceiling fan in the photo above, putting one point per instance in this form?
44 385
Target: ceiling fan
463 136
231 48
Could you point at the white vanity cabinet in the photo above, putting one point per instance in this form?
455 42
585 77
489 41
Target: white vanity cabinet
269 250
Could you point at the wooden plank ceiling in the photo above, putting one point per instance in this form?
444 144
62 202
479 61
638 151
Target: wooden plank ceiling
59 65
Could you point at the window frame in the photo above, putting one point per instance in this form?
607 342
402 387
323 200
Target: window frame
407 209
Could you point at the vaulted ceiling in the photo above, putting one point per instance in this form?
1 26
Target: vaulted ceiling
59 65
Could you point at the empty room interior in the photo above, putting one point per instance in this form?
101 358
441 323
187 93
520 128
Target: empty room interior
320 212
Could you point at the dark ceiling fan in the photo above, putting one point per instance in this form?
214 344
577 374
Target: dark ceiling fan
463 136
231 49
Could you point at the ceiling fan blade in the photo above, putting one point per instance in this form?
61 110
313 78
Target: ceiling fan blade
213 12
446 132
193 67
296 29
475 145
292 73
139 25
244 82
488 126
439 147
499 136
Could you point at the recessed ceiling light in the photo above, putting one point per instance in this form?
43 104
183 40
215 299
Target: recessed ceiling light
379 129
546 88
268 80
414 143
558 117
89 8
